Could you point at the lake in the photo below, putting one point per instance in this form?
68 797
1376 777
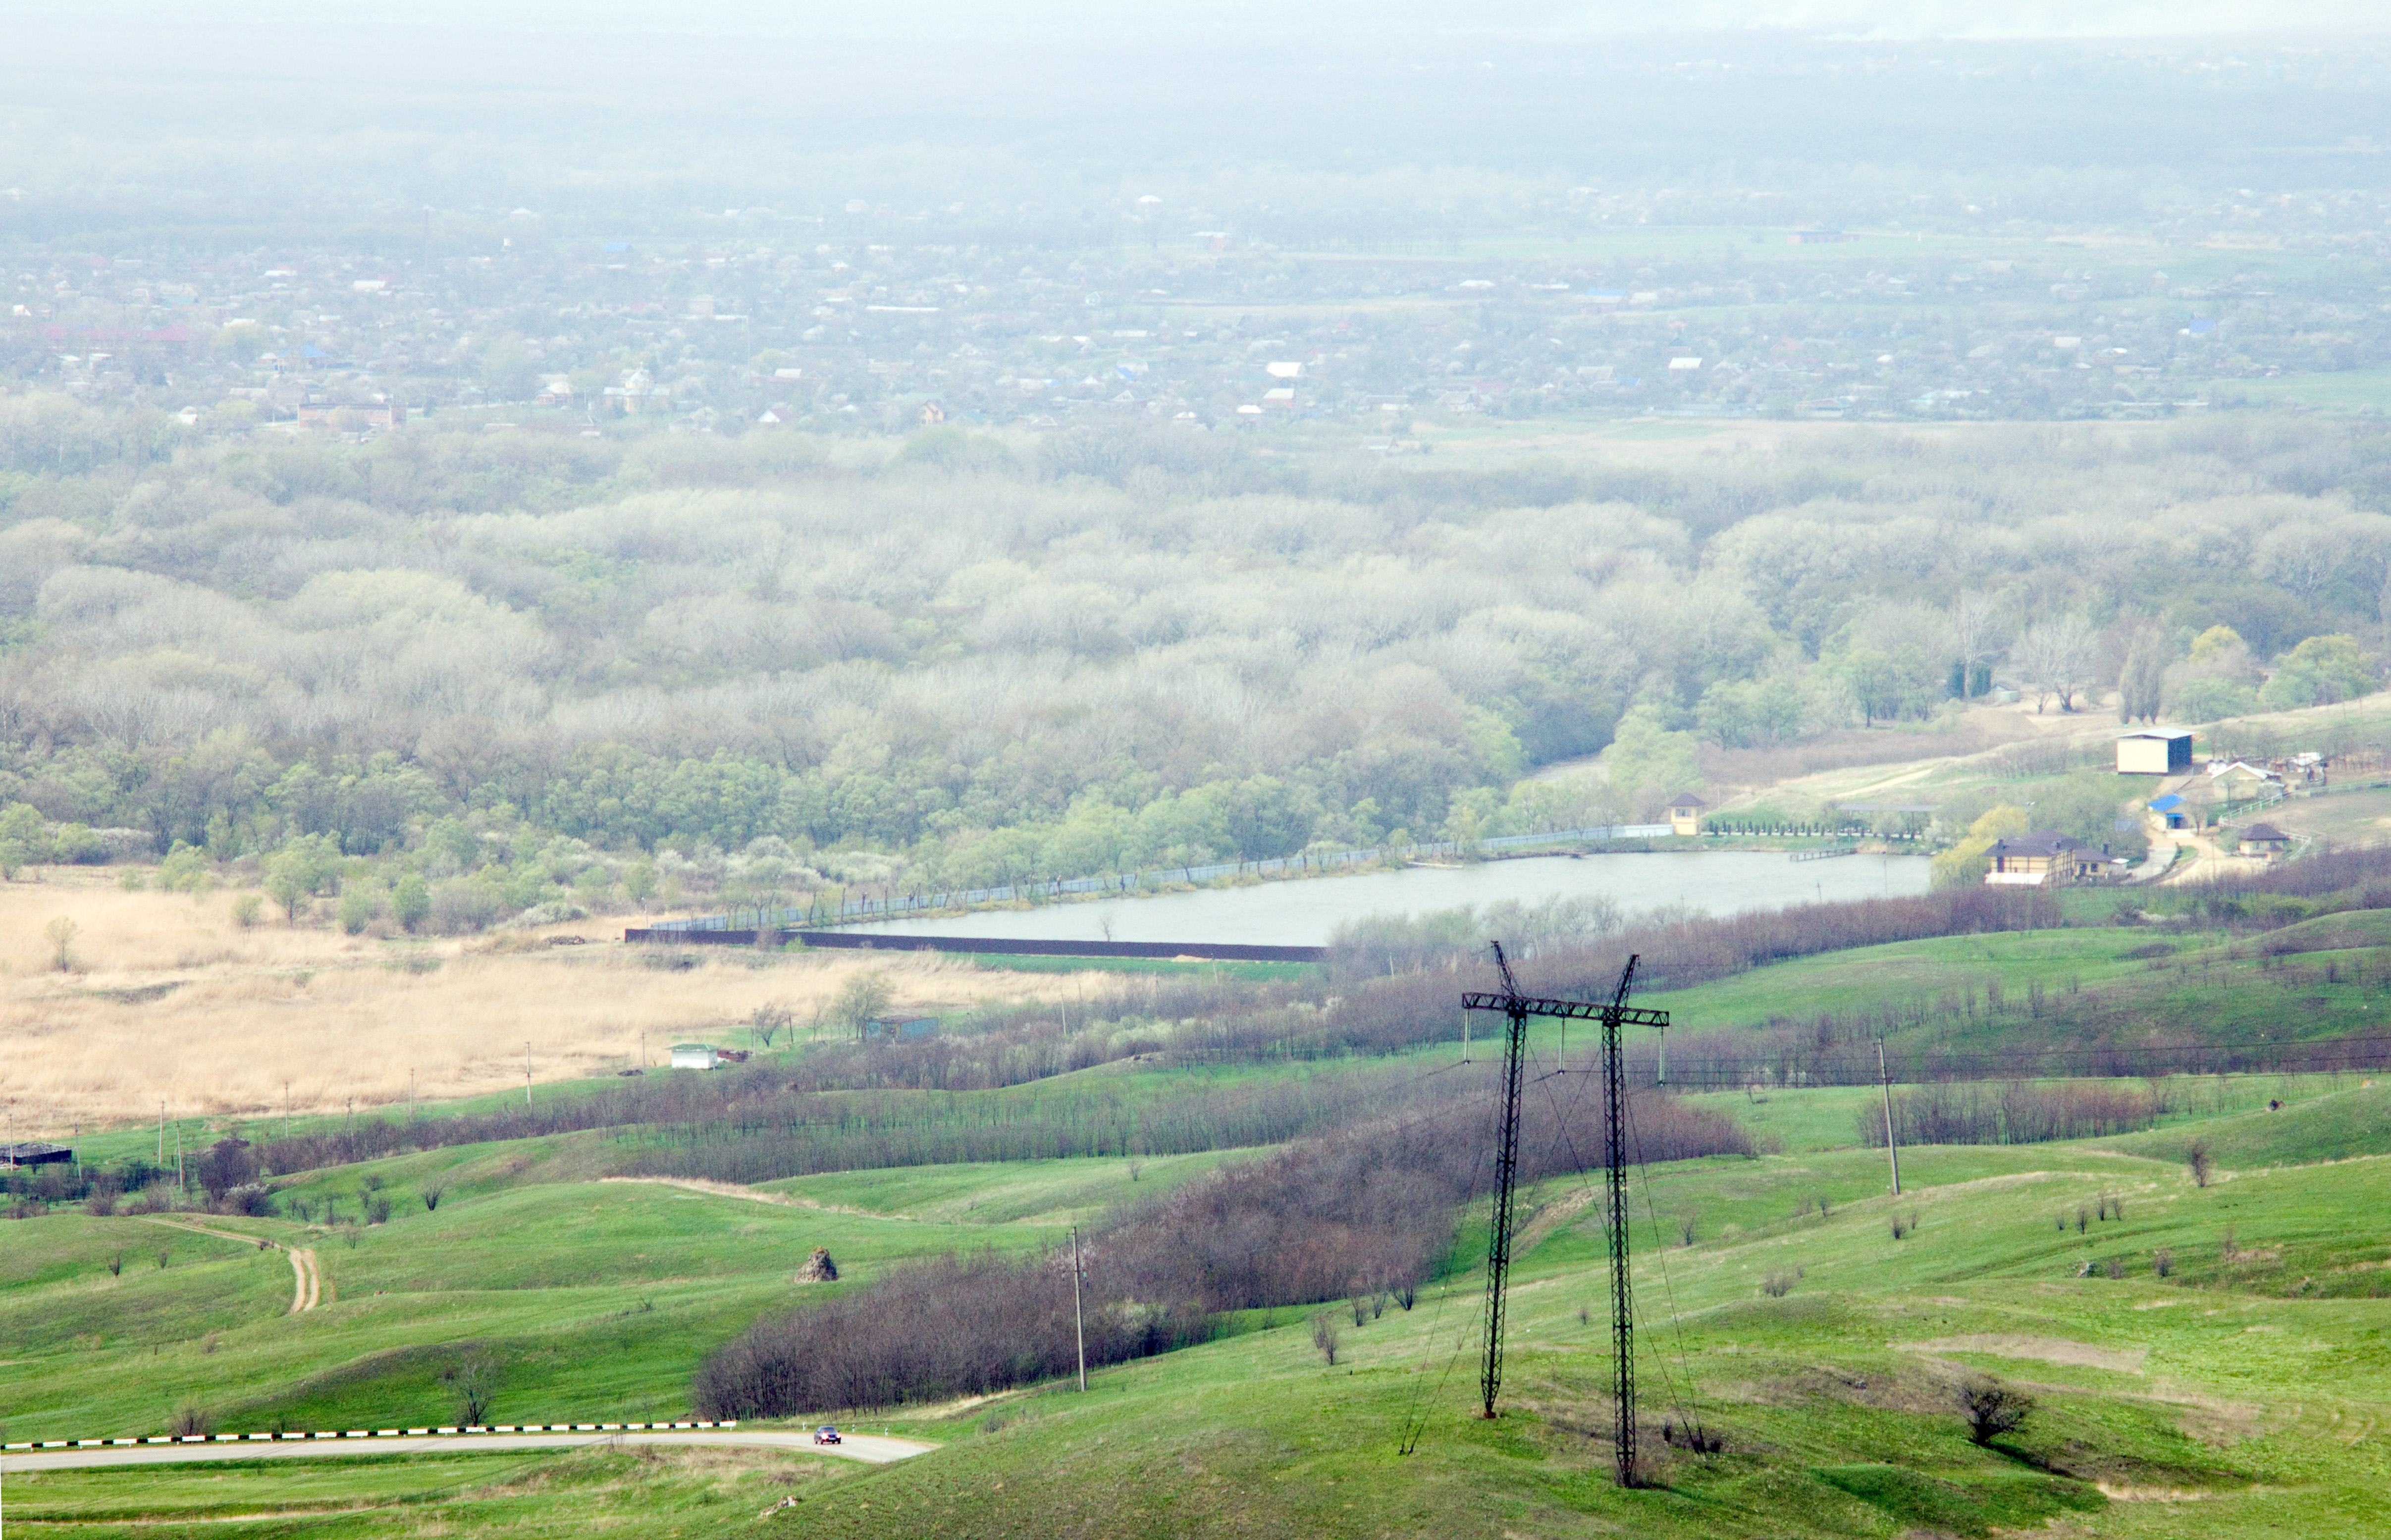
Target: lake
1306 911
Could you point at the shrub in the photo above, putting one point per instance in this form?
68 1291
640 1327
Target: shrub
933 1331
1323 1336
191 1420
250 1198
1992 1409
466 904
230 1163
1778 1285
2195 1156
410 901
61 933
2162 1261
358 909
245 910
431 1194
1691 1436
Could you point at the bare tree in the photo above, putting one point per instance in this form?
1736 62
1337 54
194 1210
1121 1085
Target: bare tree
1323 1336
2196 1157
1977 631
475 1381
769 1021
1992 1409
2056 657
862 1001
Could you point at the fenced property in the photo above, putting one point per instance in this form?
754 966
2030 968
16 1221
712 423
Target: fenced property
895 905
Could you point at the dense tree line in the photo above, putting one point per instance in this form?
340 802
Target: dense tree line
2011 1113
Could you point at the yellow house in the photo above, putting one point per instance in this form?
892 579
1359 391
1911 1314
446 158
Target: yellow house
2264 840
2045 859
1685 813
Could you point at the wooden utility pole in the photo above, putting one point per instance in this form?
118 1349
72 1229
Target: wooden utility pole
1078 1321
1892 1151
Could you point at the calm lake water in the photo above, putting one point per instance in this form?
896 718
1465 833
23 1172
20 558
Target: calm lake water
1307 911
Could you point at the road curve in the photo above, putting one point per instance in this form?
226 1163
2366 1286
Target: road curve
870 1448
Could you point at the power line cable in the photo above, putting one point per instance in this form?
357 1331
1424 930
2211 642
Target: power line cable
1668 1284
1578 1166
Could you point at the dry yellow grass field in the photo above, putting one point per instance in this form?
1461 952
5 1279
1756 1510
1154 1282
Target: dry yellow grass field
168 999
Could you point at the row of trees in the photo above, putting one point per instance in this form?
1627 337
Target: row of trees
1370 1209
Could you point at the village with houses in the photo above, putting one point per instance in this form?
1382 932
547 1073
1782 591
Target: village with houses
866 317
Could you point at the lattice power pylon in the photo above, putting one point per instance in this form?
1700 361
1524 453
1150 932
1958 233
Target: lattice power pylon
1517 1008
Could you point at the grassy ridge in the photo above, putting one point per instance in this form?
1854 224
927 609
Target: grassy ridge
2237 1356
598 1298
2337 1126
2239 1381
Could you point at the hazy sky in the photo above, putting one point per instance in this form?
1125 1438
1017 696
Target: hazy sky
1902 18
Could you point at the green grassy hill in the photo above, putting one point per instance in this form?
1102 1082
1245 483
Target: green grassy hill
2208 1359
2248 1380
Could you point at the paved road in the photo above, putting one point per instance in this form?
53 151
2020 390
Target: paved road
870 1448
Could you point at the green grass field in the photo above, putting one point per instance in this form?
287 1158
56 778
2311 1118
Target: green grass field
2207 1359
2247 1384
2362 391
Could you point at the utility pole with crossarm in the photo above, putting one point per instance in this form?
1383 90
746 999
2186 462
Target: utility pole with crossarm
1517 1008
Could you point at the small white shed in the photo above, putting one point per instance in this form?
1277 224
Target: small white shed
693 1056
